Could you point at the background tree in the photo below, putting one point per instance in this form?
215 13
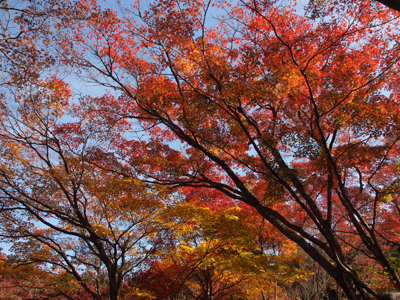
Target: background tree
31 282
217 252
27 29
59 209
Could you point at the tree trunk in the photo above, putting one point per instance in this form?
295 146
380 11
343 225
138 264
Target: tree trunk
394 4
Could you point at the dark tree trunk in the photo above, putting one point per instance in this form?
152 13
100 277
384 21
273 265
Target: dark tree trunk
394 4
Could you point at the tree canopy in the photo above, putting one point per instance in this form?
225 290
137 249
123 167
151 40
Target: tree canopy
286 110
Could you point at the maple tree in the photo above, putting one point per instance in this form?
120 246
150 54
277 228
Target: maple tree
216 252
290 111
59 211
294 115
31 282
27 29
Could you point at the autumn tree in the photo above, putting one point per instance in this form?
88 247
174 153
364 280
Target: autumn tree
27 29
291 112
294 115
59 210
31 282
218 250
